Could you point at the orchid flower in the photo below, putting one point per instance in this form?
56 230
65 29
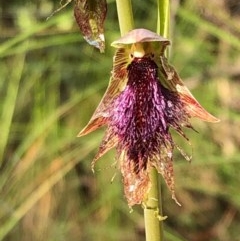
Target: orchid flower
144 100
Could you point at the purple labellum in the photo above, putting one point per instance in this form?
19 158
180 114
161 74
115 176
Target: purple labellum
138 116
141 117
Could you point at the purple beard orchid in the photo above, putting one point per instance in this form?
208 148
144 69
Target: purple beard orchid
144 99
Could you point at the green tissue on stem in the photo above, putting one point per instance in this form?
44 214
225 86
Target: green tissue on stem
153 208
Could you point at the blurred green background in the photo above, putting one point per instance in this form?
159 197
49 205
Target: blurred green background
50 83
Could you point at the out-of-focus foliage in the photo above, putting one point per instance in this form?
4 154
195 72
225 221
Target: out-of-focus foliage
50 83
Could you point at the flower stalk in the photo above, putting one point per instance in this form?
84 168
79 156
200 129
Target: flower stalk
125 16
153 210
163 17
153 205
153 216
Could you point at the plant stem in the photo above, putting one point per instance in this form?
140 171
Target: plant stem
125 16
163 18
153 209
153 212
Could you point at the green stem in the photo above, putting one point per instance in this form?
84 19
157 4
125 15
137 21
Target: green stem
153 210
125 16
163 18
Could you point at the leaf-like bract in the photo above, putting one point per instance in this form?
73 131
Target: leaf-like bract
90 16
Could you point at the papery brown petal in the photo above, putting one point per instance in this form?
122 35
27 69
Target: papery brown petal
109 141
90 16
164 164
173 82
93 125
117 84
136 185
193 108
